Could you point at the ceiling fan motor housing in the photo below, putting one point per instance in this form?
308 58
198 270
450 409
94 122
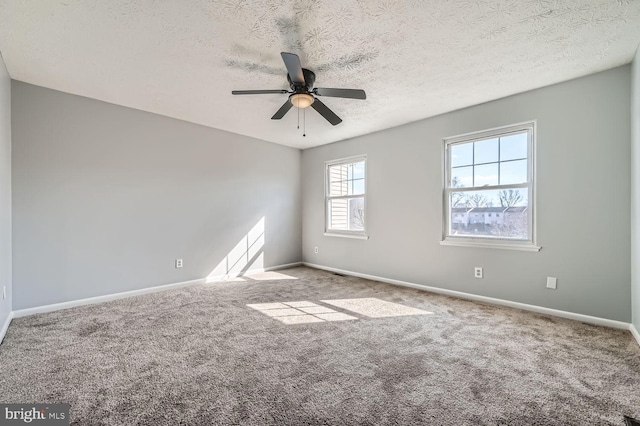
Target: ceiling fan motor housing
309 79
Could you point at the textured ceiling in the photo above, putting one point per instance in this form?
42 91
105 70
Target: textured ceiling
415 59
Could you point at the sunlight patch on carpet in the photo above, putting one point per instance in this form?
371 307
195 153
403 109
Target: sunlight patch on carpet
335 316
317 310
300 312
299 319
301 304
375 308
281 312
266 276
254 276
261 306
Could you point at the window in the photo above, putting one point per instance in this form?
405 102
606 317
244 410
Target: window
491 172
345 197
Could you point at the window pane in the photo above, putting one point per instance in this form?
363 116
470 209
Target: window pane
358 187
513 147
345 196
346 214
485 214
479 213
358 170
513 172
346 179
499 157
462 154
486 151
356 214
338 172
513 197
486 175
339 214
462 177
338 188
338 184
491 198
459 200
470 199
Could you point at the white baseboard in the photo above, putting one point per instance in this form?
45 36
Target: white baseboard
5 326
100 299
533 308
109 297
635 333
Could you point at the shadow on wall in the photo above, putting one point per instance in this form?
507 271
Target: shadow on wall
247 256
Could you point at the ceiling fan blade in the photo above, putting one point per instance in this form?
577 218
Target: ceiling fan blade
341 93
282 111
258 92
292 62
324 111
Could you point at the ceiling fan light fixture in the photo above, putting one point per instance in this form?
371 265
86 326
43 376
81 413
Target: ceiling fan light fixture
301 100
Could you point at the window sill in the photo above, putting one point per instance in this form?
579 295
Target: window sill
494 245
354 236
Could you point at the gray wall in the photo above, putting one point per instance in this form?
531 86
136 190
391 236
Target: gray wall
635 190
5 191
106 197
583 201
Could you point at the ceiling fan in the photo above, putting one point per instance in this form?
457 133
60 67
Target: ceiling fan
302 93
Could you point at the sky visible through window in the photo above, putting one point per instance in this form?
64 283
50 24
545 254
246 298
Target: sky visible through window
490 162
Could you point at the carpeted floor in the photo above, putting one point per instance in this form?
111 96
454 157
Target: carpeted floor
201 356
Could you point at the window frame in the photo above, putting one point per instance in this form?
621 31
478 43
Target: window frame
488 241
362 234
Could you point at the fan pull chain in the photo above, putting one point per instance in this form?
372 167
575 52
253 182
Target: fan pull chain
298 117
304 123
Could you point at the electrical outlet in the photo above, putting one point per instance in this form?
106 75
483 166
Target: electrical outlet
178 263
477 272
552 283
315 250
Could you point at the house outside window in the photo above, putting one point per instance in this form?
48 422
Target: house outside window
489 176
345 197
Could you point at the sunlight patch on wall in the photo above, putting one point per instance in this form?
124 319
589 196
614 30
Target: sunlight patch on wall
245 256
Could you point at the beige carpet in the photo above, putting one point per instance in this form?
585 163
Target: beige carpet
356 352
